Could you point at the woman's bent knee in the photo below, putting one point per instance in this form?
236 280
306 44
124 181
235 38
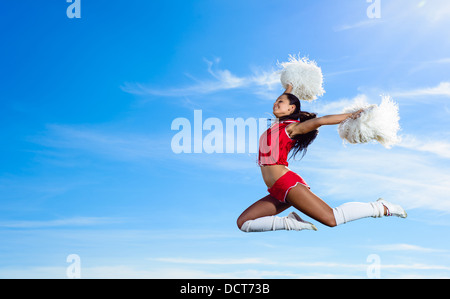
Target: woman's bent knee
330 222
240 222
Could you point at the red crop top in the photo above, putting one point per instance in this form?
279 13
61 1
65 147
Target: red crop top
275 145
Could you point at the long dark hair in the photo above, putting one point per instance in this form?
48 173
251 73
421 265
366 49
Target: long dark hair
303 140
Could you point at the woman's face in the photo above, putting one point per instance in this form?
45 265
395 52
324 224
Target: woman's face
282 107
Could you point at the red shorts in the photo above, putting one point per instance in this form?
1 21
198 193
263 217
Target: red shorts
281 188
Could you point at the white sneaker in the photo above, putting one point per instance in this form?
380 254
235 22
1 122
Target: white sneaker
294 222
392 209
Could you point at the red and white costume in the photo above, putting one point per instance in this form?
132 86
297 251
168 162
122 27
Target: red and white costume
274 147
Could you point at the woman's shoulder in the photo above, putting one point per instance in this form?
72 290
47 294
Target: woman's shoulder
290 123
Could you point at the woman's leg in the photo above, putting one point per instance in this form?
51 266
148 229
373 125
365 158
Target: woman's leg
311 205
267 206
260 217
308 203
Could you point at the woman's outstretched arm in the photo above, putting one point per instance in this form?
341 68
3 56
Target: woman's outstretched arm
315 123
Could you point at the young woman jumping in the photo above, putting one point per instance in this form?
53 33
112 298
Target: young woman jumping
294 131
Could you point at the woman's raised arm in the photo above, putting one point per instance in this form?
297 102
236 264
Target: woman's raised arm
288 89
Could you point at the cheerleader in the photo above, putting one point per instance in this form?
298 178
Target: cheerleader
293 132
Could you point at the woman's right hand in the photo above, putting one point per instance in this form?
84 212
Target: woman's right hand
356 114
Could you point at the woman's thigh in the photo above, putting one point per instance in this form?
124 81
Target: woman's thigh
304 200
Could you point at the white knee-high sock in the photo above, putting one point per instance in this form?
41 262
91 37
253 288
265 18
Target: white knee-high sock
264 224
355 210
273 223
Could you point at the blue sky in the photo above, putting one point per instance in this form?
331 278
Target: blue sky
86 107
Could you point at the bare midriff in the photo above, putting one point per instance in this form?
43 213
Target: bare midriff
271 173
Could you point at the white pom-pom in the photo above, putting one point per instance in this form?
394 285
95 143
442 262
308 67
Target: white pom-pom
305 77
376 123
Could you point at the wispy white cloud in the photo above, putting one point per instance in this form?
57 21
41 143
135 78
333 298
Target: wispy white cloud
327 75
337 106
360 24
443 89
437 147
406 248
261 82
229 261
102 142
428 64
415 266
428 12
314 265
437 11
76 221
